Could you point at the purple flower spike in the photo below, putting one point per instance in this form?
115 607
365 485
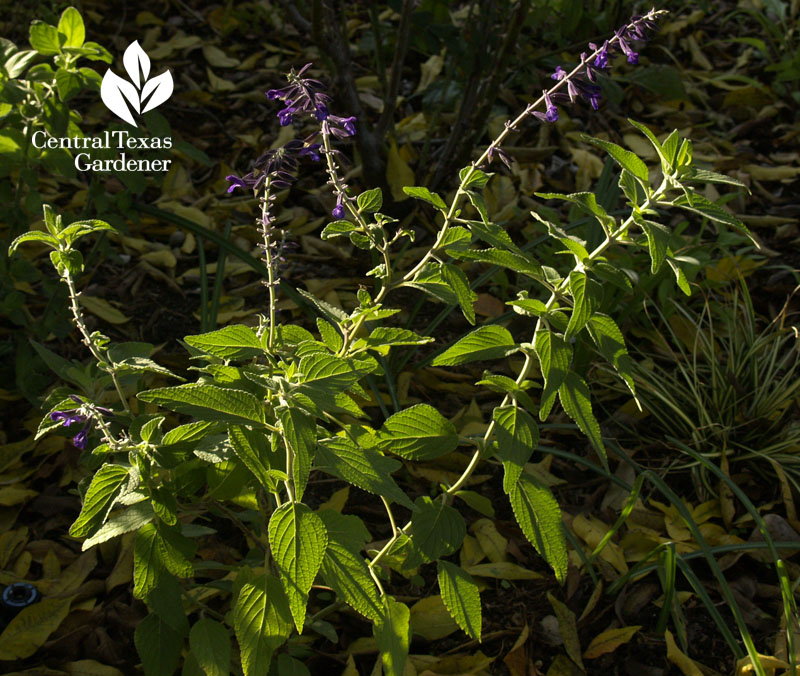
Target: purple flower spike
338 210
236 182
601 60
552 112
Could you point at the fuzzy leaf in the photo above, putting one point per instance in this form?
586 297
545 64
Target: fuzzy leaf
485 342
517 436
461 597
418 433
574 396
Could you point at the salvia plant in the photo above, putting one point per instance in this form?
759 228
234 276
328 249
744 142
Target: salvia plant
276 402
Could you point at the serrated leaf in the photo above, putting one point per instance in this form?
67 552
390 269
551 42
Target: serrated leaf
680 277
262 622
325 376
611 344
147 566
705 176
346 571
583 305
658 237
126 520
211 647
384 337
539 516
554 354
330 336
458 282
418 433
665 165
33 236
165 601
436 530
422 193
208 402
695 202
517 436
587 202
493 234
300 432
455 238
393 634
298 539
472 177
44 38
362 467
103 491
251 448
159 646
507 259
485 342
370 201
574 397
230 342
461 597
338 229
625 158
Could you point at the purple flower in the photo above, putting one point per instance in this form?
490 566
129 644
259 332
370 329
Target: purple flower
338 210
312 150
79 440
285 115
560 74
342 127
601 60
236 182
321 112
68 417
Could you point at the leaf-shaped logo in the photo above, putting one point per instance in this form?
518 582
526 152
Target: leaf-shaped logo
141 94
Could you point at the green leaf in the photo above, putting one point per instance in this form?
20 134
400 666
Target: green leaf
68 83
384 337
554 354
455 277
680 277
208 402
165 601
455 238
262 622
346 571
705 176
211 647
193 431
587 202
539 517
330 336
461 597
611 344
33 236
363 467
666 166
506 259
370 201
625 158
298 539
430 280
695 202
670 147
325 376
418 433
67 262
393 634
574 396
658 237
159 646
71 25
631 187
436 530
485 342
517 436
300 432
124 521
289 666
44 38
422 193
103 491
230 342
147 566
493 234
173 549
339 229
584 303
472 177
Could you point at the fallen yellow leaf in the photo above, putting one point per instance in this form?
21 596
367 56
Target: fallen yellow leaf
609 641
